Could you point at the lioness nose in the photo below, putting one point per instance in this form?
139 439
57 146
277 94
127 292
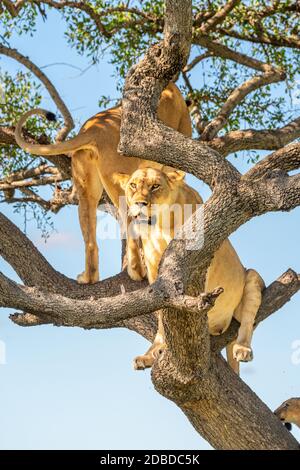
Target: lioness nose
142 203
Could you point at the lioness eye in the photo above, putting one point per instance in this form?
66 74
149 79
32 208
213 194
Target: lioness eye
133 185
155 186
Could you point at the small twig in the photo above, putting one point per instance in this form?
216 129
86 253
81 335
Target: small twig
264 139
196 61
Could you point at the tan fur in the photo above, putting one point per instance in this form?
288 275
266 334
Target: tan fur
149 193
289 411
95 158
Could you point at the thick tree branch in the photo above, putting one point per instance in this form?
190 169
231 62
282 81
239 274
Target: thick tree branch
95 313
274 192
249 139
144 325
84 313
285 159
20 253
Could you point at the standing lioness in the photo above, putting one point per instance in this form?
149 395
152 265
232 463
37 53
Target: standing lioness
150 193
95 158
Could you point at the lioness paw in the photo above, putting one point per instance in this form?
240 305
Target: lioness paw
242 353
147 360
136 274
143 362
84 279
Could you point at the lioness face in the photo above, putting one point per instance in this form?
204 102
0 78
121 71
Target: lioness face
148 191
289 411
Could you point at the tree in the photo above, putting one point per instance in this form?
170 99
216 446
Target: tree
190 372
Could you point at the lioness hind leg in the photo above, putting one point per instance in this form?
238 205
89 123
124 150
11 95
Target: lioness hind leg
88 220
148 359
89 189
245 313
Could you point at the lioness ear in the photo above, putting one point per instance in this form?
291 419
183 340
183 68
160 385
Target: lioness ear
172 174
121 179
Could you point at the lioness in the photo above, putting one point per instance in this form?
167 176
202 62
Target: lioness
150 193
289 412
95 158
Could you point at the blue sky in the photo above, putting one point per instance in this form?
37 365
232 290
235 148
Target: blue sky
67 388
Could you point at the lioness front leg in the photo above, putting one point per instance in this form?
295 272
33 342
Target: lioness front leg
135 266
148 359
158 345
245 313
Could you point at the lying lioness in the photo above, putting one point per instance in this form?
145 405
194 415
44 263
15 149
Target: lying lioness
149 194
289 412
95 158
